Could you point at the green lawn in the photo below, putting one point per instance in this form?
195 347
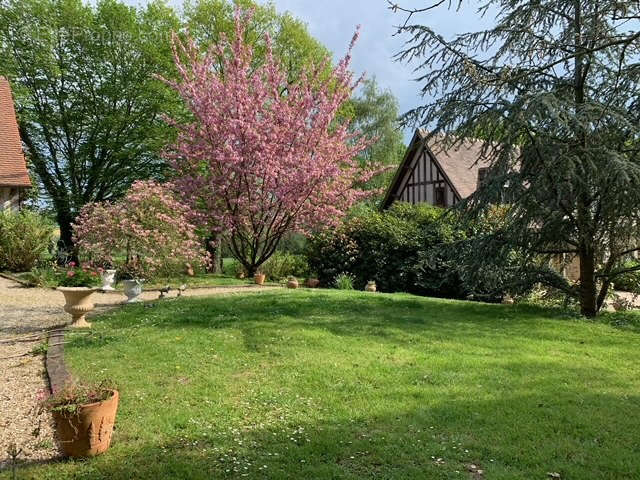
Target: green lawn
332 385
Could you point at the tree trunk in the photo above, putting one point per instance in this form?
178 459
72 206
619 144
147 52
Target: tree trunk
251 270
588 290
214 249
66 246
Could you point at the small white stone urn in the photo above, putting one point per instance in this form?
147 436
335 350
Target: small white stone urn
108 279
132 289
371 286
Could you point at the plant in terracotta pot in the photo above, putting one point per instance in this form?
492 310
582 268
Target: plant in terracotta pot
77 284
258 278
292 282
312 282
84 416
371 286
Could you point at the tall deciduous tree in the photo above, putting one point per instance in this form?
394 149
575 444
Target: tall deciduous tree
554 85
209 21
255 162
89 106
376 114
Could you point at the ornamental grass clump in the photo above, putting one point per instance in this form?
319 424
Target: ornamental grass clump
344 281
144 235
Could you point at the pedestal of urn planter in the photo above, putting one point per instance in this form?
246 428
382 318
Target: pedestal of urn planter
78 303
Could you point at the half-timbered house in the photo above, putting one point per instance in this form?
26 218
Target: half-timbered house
433 174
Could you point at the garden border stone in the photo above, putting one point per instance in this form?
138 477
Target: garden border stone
13 278
57 371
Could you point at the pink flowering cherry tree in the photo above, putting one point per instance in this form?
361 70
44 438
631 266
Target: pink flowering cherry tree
144 234
261 156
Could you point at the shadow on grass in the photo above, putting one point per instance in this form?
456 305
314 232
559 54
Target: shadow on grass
516 437
517 414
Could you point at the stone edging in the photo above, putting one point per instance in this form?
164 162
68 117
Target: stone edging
14 279
56 368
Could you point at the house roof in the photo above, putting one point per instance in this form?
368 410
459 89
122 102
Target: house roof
459 164
13 167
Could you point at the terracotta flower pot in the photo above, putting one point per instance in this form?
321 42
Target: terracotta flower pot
132 289
87 432
108 279
312 282
507 300
259 278
293 283
78 304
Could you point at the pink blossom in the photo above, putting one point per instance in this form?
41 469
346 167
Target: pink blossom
256 163
148 223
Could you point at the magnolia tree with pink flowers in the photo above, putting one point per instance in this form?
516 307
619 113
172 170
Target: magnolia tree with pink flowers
144 234
262 156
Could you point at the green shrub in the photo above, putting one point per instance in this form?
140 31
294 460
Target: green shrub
41 276
25 239
392 248
293 243
282 265
344 281
630 281
331 253
418 249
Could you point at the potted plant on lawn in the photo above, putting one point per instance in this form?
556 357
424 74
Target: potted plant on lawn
292 282
312 281
77 284
84 416
258 278
371 286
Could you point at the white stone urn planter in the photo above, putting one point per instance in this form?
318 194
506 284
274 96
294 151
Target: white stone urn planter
108 279
78 304
133 289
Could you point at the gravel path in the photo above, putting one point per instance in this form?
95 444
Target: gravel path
25 312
